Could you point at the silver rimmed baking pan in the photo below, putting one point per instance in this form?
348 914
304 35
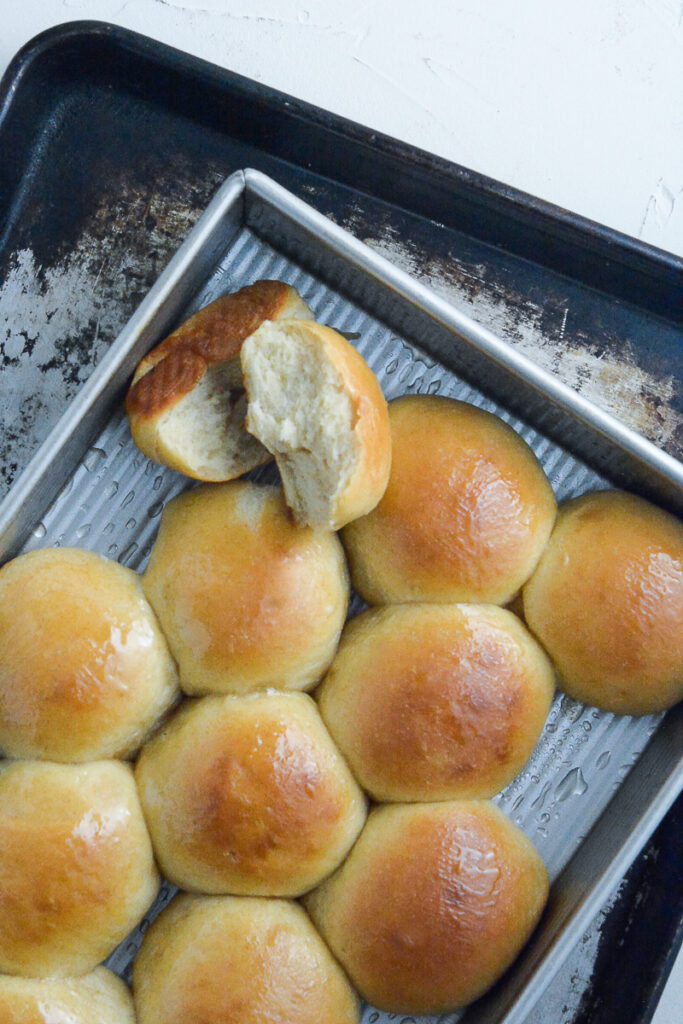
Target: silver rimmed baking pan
597 784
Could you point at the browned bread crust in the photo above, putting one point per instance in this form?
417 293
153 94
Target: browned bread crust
432 904
186 406
238 960
466 513
270 808
211 335
434 702
76 866
97 998
606 601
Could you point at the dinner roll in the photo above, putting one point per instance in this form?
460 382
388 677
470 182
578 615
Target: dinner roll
606 601
465 516
248 795
85 671
98 998
76 867
186 405
244 960
434 702
317 406
246 598
432 905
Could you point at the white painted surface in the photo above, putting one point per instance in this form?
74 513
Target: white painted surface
580 104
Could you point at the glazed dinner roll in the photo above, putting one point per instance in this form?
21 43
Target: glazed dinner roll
606 601
97 998
248 795
76 866
242 960
317 406
246 598
466 513
85 671
432 905
434 702
186 406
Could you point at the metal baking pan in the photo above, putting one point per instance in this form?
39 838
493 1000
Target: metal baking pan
597 784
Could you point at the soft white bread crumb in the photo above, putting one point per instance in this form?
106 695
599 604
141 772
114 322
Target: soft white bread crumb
186 406
317 407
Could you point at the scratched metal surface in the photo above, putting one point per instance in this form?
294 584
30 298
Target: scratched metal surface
111 183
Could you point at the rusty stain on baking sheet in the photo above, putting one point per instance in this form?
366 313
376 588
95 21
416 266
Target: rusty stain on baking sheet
606 374
57 321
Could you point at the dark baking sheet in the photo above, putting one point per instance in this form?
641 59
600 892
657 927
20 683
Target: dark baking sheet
112 144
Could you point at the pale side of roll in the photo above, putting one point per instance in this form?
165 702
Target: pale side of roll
434 902
434 702
246 598
186 406
244 960
318 408
465 515
96 998
248 795
76 866
606 601
85 671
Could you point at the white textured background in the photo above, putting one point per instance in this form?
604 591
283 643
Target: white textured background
579 103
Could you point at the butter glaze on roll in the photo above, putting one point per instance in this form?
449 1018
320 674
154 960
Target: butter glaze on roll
466 513
606 601
248 795
244 960
186 406
246 598
432 905
434 702
76 866
96 998
85 671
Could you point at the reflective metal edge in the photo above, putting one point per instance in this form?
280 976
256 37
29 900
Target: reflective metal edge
59 454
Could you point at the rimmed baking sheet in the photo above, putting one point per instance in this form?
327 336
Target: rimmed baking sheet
111 503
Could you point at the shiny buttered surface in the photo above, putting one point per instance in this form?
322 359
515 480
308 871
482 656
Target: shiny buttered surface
247 599
85 671
466 513
76 865
97 998
238 959
248 795
606 601
433 702
432 904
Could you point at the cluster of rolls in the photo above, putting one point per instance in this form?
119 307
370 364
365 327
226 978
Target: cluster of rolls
332 844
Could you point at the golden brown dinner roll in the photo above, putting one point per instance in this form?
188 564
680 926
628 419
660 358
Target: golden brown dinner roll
248 795
606 601
434 702
465 516
85 671
317 406
186 405
432 905
97 998
246 598
244 960
76 867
